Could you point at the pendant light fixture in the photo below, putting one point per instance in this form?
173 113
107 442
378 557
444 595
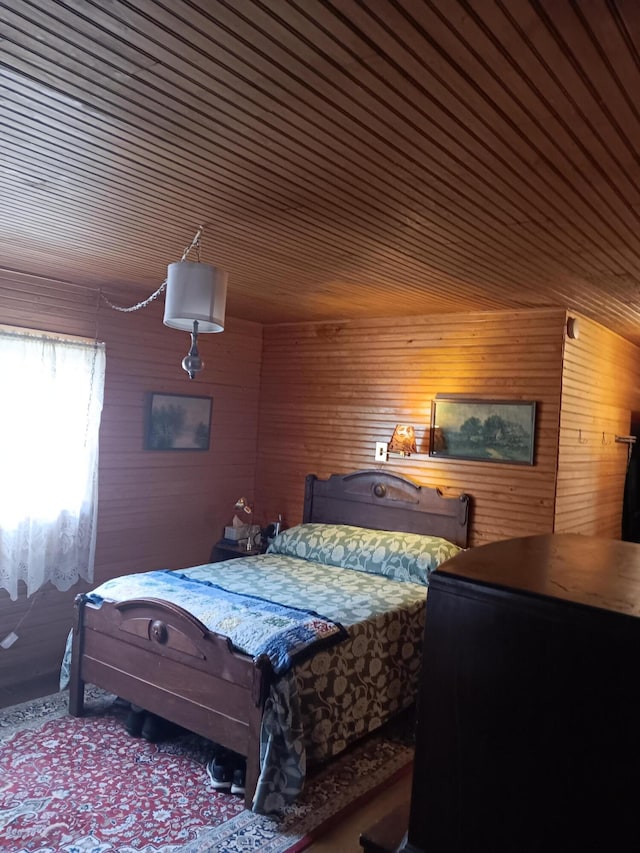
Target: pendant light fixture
195 301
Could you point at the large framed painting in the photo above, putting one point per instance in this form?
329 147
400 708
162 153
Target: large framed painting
178 422
483 430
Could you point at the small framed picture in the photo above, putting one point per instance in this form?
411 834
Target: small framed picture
483 430
178 422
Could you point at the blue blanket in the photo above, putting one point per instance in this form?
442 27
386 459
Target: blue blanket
255 626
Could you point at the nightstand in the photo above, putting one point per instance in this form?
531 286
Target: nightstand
225 550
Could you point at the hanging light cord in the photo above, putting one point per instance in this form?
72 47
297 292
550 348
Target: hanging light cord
194 244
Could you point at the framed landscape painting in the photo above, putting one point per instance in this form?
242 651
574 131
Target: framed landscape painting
178 422
483 430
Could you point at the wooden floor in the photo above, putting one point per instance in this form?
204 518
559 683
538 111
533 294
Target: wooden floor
343 837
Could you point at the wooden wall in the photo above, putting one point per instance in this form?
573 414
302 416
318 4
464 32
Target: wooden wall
601 390
294 399
331 390
157 509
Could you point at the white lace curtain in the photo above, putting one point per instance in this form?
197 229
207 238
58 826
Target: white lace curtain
51 392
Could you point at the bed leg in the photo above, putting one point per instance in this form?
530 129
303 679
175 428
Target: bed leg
262 676
76 684
251 779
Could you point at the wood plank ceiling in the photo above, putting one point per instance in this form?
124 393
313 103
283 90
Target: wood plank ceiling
350 158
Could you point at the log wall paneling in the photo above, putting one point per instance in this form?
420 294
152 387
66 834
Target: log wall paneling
292 399
601 390
331 390
156 509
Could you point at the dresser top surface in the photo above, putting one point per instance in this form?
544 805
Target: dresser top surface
586 570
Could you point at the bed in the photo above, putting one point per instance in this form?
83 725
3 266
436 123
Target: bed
284 713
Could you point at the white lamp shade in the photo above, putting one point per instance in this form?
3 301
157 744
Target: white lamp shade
195 291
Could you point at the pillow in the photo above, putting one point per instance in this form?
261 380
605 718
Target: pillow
400 556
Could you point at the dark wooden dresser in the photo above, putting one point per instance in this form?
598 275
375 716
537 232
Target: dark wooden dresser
528 728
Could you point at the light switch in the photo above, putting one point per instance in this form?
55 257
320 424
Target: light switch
381 451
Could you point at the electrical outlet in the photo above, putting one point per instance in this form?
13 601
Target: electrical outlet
381 451
9 640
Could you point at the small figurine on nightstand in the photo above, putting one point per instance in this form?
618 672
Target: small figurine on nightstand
243 504
241 530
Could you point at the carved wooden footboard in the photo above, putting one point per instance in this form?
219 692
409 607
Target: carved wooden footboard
156 655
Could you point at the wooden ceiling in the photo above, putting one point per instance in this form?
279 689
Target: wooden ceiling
349 158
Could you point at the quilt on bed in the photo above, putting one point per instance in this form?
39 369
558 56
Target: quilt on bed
254 625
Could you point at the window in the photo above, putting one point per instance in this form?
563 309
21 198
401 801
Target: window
51 391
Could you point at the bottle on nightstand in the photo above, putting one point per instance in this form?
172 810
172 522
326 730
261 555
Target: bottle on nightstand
271 530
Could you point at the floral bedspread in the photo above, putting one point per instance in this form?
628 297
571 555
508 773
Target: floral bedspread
338 695
318 707
255 625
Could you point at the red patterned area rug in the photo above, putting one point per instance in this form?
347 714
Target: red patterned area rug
83 785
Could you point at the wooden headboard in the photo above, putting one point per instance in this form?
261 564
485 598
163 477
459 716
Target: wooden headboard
384 501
